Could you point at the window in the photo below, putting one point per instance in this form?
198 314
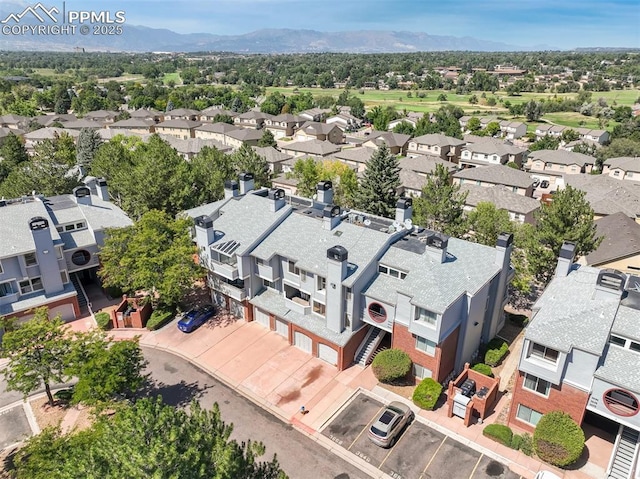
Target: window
59 229
6 289
425 346
542 352
293 269
535 384
383 269
80 257
528 415
64 276
305 296
421 372
319 308
377 312
268 284
349 294
322 283
618 341
394 273
30 259
259 261
69 227
30 285
1 270
426 316
621 402
634 346
80 226
616 173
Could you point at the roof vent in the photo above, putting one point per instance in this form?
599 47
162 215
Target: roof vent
338 253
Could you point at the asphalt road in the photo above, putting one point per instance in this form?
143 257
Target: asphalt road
179 383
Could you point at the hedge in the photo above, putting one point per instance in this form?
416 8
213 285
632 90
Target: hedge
495 351
159 318
483 369
103 320
557 439
391 365
526 444
499 433
426 394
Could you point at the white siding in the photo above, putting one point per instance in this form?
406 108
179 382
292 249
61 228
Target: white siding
328 354
262 318
302 341
282 328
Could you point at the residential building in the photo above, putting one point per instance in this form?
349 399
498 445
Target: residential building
357 158
210 114
283 125
436 144
489 151
415 170
581 352
182 114
147 114
251 119
83 123
104 117
214 131
48 120
275 158
517 181
396 142
556 131
620 246
553 165
393 123
315 114
312 130
50 246
310 147
242 136
607 195
188 148
333 283
521 208
135 125
178 127
13 121
345 121
32 138
511 130
622 168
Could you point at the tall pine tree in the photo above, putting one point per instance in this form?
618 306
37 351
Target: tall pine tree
88 143
378 188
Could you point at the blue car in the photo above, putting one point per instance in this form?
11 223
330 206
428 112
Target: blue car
196 317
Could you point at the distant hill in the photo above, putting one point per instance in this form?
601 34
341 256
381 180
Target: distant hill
144 39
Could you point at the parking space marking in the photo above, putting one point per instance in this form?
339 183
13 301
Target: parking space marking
476 466
434 455
366 428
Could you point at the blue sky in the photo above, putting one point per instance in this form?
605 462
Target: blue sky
558 23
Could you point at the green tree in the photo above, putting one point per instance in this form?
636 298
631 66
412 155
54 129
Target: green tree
492 128
267 139
486 222
37 352
441 205
378 188
155 254
344 179
246 160
273 104
569 217
308 173
222 118
88 143
474 125
209 169
533 110
12 154
545 143
147 439
404 127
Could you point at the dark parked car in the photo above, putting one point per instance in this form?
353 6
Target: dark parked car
196 317
389 424
544 184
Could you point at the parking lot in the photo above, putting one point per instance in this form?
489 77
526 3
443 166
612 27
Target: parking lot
420 452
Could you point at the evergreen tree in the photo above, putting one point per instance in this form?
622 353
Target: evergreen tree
267 139
12 154
88 143
441 205
246 160
378 189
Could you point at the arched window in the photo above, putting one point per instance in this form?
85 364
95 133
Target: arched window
620 402
81 257
377 313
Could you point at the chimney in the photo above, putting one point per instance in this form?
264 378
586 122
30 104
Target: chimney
204 231
503 249
330 217
231 189
565 260
276 199
437 246
324 190
82 195
336 273
404 209
610 285
46 255
246 183
102 190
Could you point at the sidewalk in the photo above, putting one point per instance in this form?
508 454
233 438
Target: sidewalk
281 378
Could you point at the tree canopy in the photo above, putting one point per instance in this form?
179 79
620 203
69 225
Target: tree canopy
378 188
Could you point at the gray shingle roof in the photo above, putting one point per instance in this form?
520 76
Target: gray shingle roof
317 128
193 145
568 316
627 323
133 123
49 133
390 138
434 285
217 127
179 123
361 154
14 228
312 147
501 196
620 367
270 154
607 195
621 239
491 146
626 163
245 134
425 163
562 157
438 139
497 174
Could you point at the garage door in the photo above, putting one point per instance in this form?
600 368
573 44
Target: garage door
65 311
282 328
328 354
262 318
302 341
219 299
236 308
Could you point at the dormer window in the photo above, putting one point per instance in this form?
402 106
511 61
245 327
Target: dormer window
426 316
542 352
395 273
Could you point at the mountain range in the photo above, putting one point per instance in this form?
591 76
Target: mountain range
145 39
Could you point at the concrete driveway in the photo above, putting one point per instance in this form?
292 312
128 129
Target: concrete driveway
420 453
14 426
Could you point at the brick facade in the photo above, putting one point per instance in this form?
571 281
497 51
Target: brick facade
565 398
440 364
73 301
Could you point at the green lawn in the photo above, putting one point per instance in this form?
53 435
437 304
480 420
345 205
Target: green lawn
575 120
172 76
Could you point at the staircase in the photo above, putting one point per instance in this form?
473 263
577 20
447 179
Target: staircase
369 346
621 466
82 298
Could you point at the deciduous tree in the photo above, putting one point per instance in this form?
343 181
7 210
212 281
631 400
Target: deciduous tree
486 222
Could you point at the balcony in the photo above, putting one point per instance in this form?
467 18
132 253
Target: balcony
232 289
296 300
267 272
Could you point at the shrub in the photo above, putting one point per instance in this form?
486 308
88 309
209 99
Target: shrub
159 318
103 320
483 369
557 439
526 444
518 319
427 393
390 365
516 442
495 351
499 433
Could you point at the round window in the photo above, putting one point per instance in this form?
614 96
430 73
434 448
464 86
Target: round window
377 313
620 402
81 257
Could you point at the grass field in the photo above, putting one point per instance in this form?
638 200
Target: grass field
172 76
